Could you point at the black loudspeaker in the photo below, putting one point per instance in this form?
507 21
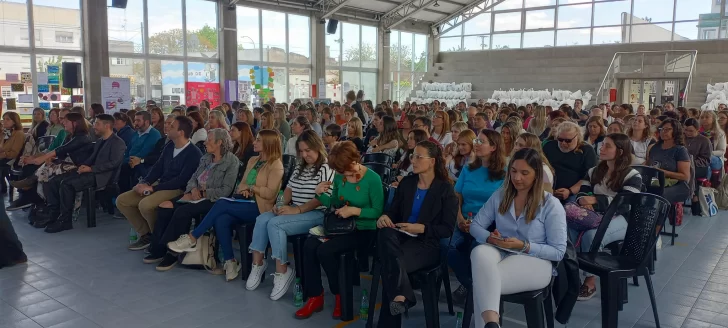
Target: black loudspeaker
331 27
118 3
72 75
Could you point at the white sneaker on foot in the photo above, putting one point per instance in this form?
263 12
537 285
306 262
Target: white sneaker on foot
256 274
232 268
281 282
182 244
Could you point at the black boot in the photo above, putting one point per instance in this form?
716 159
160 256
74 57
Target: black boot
59 225
52 217
492 325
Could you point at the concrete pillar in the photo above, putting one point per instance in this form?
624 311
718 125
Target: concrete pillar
433 51
385 70
227 48
95 49
318 52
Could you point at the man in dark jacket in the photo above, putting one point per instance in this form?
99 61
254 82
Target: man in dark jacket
96 171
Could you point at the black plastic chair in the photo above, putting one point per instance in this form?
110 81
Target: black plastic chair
201 145
650 174
106 193
380 158
383 170
537 304
645 219
289 165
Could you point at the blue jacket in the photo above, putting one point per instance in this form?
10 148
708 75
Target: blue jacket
142 145
174 172
127 134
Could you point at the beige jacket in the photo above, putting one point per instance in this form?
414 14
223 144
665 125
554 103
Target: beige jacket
267 184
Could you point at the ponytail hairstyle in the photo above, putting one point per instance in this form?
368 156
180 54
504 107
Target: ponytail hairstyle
434 151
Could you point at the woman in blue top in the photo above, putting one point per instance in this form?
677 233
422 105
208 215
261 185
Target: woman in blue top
477 182
530 232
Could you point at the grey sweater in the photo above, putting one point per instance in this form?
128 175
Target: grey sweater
221 179
700 148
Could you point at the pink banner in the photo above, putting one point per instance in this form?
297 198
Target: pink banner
199 91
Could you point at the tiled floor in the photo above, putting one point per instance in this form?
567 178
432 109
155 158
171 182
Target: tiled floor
87 278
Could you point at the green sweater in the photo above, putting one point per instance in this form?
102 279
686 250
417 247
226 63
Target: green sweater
58 141
369 197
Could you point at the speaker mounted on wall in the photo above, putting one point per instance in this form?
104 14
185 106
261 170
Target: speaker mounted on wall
72 75
118 3
331 27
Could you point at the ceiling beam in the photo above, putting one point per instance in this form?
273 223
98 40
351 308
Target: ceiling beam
403 12
329 7
431 10
463 15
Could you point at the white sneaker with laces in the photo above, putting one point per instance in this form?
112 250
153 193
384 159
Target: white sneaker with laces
182 244
232 268
256 274
281 282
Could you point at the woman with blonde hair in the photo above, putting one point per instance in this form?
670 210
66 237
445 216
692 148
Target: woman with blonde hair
281 124
510 131
530 140
711 130
217 121
456 128
640 136
441 128
537 125
355 134
267 122
461 154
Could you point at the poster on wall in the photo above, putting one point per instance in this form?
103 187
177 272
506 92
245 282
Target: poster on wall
244 91
115 94
53 69
198 91
42 77
9 77
322 87
25 77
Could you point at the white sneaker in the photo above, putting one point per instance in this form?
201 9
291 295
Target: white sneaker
182 244
256 274
281 282
232 268
659 243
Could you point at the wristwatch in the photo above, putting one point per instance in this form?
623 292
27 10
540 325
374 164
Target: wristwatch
142 161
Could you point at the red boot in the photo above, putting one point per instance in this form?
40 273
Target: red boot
337 308
313 305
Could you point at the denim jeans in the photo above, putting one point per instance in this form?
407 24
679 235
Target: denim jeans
223 216
457 251
276 229
715 164
615 231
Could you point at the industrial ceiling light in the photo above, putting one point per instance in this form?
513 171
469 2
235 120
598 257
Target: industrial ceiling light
436 4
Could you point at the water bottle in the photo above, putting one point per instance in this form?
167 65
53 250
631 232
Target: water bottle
459 321
298 294
220 257
364 307
470 217
279 200
132 236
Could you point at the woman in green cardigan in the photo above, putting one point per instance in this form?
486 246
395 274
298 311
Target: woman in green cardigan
358 194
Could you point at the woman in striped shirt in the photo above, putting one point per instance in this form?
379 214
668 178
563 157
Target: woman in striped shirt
301 212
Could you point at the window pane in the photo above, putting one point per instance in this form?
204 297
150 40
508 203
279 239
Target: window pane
692 9
651 32
607 35
509 4
540 19
401 85
654 10
350 82
578 37
165 27
507 22
351 45
478 25
538 39
248 34
299 80
369 85
476 42
245 84
168 83
575 16
540 3
507 41
15 64
405 51
333 46
690 31
611 13
14 23
280 85
299 48
56 98
201 28
125 27
134 70
455 31
58 16
369 46
333 85
274 37
450 44
394 51
709 27
420 53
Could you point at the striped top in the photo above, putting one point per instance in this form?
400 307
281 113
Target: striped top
303 185
632 183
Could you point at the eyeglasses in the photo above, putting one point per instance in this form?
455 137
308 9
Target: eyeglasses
417 156
665 129
417 126
478 142
565 140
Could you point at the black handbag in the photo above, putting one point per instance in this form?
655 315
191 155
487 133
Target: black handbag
335 225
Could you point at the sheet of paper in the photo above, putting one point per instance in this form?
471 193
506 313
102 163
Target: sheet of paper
25 98
10 77
42 77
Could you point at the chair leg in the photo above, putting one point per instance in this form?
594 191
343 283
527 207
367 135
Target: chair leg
651 290
469 309
298 257
535 313
635 281
373 291
346 288
445 276
430 300
548 306
90 207
610 300
245 236
623 294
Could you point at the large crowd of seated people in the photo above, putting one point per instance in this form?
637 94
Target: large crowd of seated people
471 183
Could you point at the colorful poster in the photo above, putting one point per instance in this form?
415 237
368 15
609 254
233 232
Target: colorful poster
26 77
17 87
11 104
53 69
53 79
9 77
43 88
244 91
25 98
116 94
42 77
198 91
55 88
45 105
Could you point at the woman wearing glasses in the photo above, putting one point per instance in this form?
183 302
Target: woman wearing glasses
571 159
477 182
423 213
669 155
441 128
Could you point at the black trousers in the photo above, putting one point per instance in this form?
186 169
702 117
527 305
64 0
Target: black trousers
126 177
11 250
61 192
326 255
174 222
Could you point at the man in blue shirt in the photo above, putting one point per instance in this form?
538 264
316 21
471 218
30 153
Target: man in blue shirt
141 144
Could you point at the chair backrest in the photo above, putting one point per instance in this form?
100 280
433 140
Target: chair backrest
645 218
44 142
289 165
380 158
650 174
384 171
201 146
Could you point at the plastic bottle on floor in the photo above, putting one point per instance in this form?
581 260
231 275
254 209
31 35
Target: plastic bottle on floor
298 294
459 321
133 236
364 307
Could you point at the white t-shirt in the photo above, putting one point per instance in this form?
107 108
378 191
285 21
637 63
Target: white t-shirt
179 150
444 140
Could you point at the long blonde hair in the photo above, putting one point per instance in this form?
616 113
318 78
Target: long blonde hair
538 123
532 141
535 195
271 141
357 127
271 121
220 117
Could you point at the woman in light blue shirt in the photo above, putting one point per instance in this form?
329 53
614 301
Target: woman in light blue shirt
530 233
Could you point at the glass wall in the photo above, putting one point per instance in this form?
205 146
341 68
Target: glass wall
31 54
274 55
351 61
161 54
407 63
561 23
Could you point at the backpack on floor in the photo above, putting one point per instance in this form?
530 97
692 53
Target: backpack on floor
204 256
